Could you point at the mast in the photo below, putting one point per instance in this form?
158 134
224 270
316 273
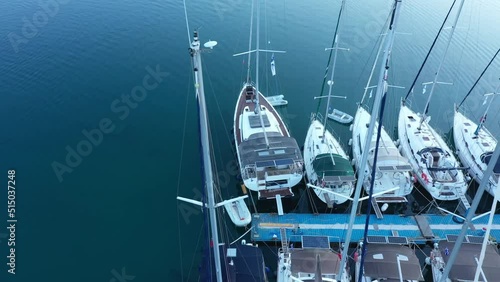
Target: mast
470 213
483 118
257 104
330 83
195 53
250 45
381 89
434 82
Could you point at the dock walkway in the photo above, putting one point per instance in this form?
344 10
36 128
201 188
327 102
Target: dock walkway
266 226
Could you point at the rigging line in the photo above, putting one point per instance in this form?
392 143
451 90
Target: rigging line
480 76
333 68
220 111
429 52
373 69
187 22
194 254
361 76
246 232
330 56
180 171
250 44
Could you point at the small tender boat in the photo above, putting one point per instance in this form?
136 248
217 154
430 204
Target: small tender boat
277 100
340 116
238 212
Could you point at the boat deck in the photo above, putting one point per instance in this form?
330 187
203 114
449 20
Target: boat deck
245 99
266 226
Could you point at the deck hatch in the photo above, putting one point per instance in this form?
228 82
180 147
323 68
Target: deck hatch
376 239
475 239
397 240
315 242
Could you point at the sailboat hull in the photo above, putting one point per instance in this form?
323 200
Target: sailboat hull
272 169
430 157
318 169
472 149
393 170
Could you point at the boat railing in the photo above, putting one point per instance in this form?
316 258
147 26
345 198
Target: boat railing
331 130
250 171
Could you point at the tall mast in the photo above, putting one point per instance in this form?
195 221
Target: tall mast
257 104
483 118
330 83
250 45
205 146
381 89
435 81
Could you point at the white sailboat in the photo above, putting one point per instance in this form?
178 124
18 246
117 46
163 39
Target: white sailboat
393 180
270 159
433 163
239 262
392 171
475 144
329 171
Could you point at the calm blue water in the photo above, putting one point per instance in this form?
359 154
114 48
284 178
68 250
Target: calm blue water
69 69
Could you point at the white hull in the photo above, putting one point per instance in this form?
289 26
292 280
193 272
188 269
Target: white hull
315 146
393 170
470 148
264 169
430 157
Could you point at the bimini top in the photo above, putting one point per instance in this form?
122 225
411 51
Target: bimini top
465 265
381 262
340 168
486 157
282 150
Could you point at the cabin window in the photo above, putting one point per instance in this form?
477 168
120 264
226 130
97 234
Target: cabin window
279 152
486 144
426 138
263 153
411 118
466 123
